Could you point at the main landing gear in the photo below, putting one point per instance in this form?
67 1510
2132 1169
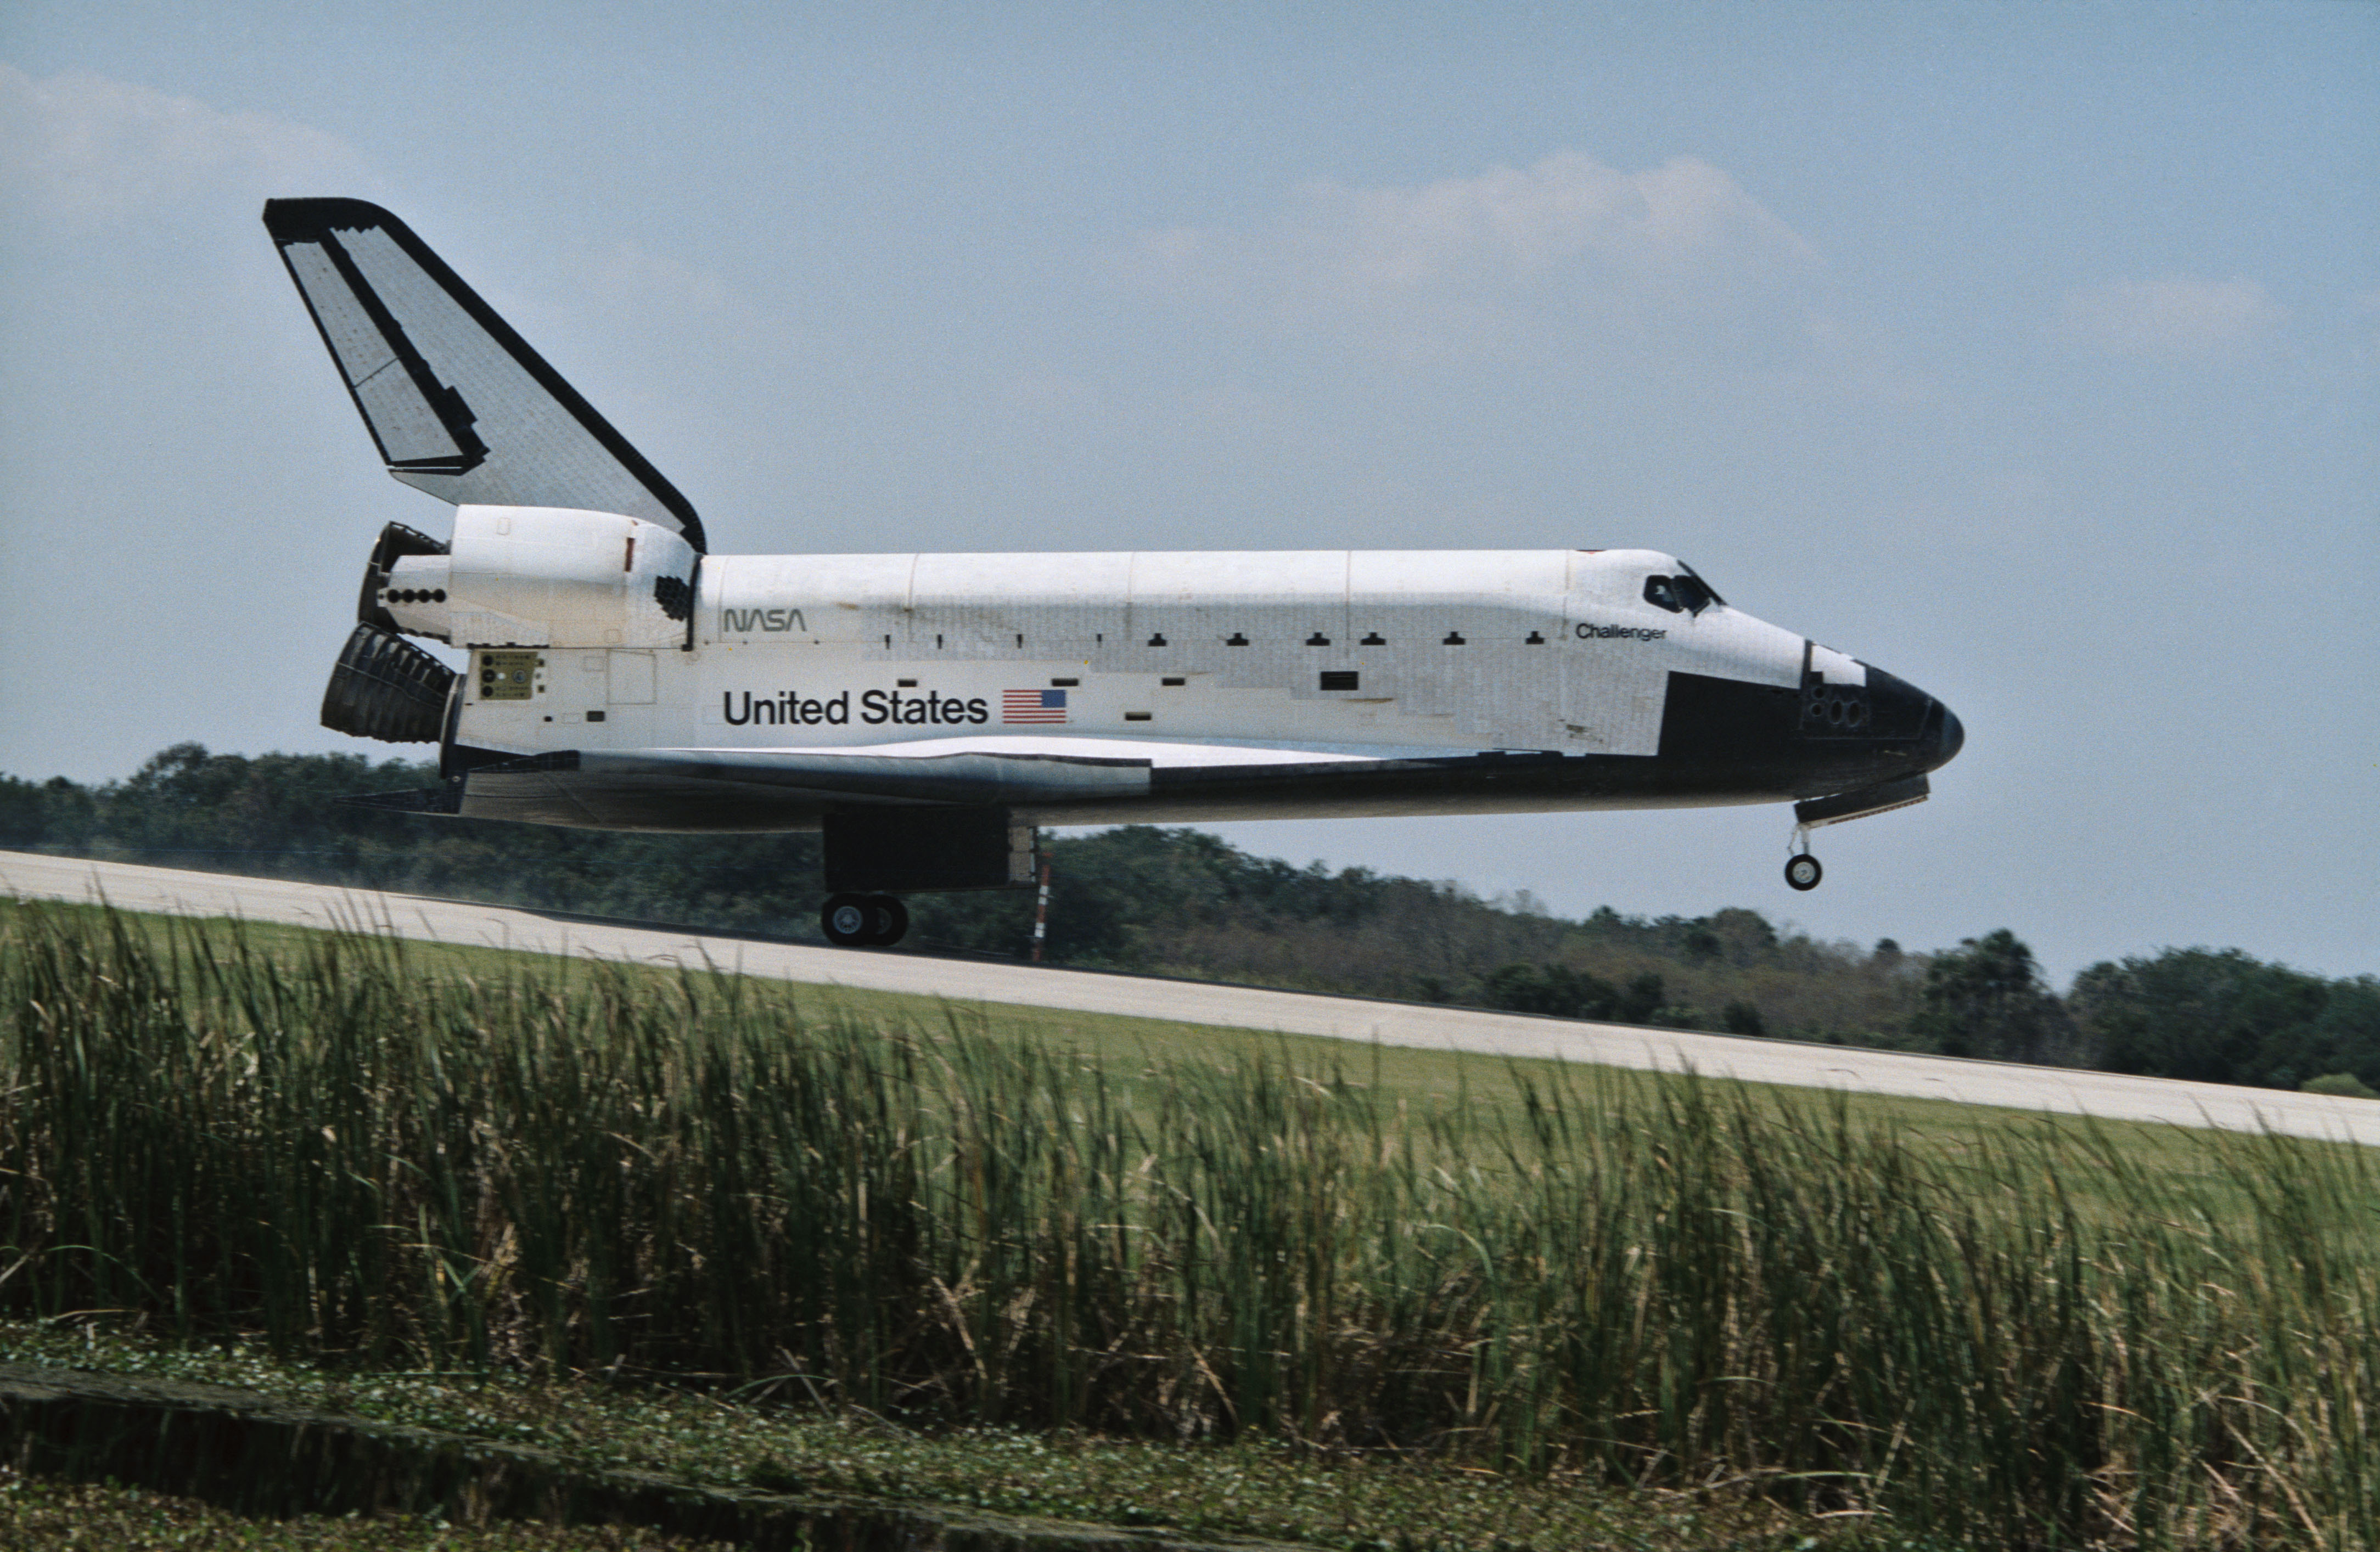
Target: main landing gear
1801 870
863 921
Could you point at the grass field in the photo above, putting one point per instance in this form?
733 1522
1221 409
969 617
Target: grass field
1979 1328
1130 1050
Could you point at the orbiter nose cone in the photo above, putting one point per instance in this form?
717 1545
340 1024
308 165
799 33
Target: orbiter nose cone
1944 737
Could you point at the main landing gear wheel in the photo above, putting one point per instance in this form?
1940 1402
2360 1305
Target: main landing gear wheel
863 921
888 918
1802 871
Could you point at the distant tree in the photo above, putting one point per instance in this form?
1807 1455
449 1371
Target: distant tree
20 812
2225 1016
1745 937
52 813
2346 1034
1554 989
1742 1018
1562 993
1985 998
1643 1000
1520 988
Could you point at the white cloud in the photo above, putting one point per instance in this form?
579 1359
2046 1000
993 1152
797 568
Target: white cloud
80 150
1473 258
1509 226
2177 318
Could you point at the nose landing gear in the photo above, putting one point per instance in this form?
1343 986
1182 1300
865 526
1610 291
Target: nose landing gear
1801 870
863 921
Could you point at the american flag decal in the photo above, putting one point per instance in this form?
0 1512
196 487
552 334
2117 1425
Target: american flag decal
1032 706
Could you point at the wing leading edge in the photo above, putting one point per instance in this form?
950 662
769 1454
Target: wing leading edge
458 403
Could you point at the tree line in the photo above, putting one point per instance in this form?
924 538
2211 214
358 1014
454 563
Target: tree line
1181 902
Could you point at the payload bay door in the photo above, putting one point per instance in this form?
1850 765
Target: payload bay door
1613 693
632 679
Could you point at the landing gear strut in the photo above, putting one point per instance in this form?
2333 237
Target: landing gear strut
856 921
1801 870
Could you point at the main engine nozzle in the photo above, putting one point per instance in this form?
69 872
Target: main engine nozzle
385 688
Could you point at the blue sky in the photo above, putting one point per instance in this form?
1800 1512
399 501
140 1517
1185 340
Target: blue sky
2031 352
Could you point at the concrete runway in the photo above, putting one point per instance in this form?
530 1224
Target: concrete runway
1396 1024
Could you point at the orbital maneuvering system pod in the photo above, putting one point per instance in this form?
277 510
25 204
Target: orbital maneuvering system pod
927 712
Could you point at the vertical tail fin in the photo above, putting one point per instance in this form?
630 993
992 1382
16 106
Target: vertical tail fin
458 403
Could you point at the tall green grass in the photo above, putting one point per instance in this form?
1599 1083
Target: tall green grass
2037 1341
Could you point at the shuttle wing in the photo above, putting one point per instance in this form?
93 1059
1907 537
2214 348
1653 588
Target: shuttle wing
751 790
458 404
760 790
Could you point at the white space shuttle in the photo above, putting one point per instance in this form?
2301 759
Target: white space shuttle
927 713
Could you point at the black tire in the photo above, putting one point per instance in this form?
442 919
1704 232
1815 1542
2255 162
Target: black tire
888 920
847 920
1803 872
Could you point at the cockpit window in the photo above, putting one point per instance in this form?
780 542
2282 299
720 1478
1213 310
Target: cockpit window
1694 578
1693 593
1688 594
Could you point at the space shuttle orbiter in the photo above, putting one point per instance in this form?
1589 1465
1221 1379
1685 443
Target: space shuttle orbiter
927 713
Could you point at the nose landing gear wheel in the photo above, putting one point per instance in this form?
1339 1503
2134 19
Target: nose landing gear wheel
1802 871
860 921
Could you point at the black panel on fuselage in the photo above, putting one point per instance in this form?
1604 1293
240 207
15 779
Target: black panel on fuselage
1724 734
